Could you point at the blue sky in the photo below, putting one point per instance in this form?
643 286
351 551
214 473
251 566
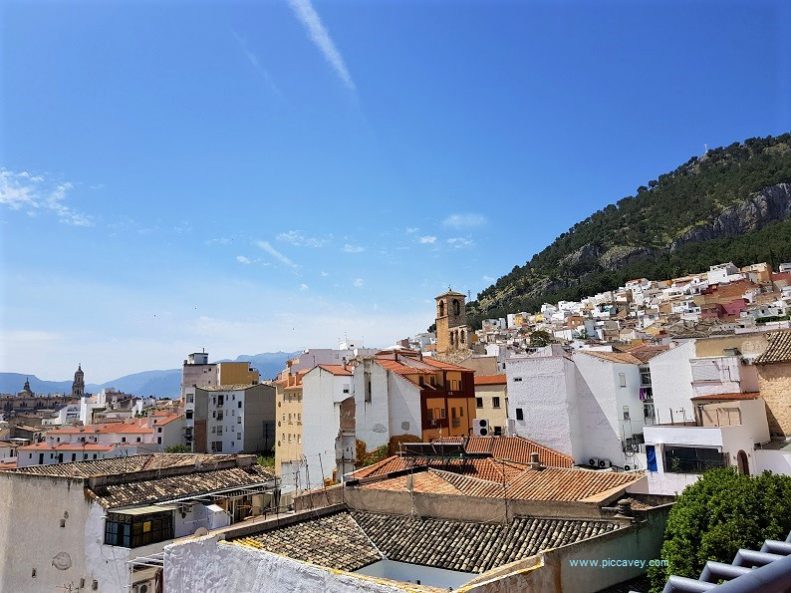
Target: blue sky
255 176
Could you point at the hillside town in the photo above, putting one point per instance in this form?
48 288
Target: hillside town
567 432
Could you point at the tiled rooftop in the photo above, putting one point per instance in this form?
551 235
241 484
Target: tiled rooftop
550 484
125 465
490 379
174 487
335 541
351 540
779 349
471 547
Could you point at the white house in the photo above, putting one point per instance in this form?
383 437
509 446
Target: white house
727 430
328 441
723 273
81 526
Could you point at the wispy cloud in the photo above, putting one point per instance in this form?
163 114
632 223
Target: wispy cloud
299 239
256 64
274 253
35 194
464 221
219 241
460 242
487 278
303 287
242 259
411 230
427 240
349 248
358 283
318 33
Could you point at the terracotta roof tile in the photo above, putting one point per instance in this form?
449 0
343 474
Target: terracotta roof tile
337 369
490 379
779 349
617 357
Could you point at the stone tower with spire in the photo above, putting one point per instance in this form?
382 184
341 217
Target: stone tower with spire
78 387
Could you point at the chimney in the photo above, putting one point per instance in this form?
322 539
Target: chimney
534 462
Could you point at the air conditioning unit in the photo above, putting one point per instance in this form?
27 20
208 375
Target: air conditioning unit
594 462
142 588
605 463
480 427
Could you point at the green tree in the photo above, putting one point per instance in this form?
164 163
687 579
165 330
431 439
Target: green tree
178 449
540 338
717 515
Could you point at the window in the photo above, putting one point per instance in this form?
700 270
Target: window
159 440
479 402
238 436
496 402
239 405
190 398
238 419
159 429
133 531
692 460
622 379
517 379
626 413
520 415
188 415
498 431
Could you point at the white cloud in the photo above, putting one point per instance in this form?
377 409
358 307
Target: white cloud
267 248
488 279
411 230
324 274
427 240
358 283
464 221
318 33
244 260
303 287
349 248
34 194
218 241
299 239
460 242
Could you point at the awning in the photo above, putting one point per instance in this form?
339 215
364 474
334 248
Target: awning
146 510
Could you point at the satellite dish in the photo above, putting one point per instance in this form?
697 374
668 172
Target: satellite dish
201 531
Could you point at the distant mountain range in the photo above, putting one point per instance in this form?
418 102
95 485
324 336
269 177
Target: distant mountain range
157 383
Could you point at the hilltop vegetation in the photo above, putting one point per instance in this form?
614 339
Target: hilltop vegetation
732 204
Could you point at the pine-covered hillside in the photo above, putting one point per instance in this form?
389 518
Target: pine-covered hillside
732 204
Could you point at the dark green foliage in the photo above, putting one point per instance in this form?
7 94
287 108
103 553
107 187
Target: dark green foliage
178 449
540 338
717 515
643 227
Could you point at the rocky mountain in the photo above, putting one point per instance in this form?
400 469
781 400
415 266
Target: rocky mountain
157 383
731 204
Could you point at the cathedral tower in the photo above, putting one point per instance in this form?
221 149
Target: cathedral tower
78 387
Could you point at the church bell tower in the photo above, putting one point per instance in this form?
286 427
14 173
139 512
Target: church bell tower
78 387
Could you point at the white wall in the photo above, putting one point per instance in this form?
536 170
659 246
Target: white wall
404 398
602 400
322 393
671 380
209 566
542 395
372 418
773 460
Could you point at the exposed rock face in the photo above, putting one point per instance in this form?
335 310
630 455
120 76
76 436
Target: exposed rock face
771 204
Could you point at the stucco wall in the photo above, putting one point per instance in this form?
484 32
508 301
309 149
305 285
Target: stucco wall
774 381
372 418
209 566
31 509
321 423
778 462
671 380
542 396
405 416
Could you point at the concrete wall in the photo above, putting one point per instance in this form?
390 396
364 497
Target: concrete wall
495 416
775 385
259 418
321 421
209 566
